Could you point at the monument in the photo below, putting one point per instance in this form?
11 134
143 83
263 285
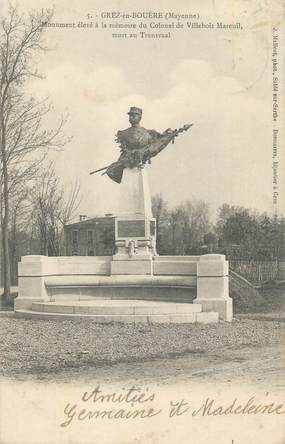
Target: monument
135 284
135 229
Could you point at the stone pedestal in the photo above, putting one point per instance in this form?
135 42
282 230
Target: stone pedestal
32 272
135 228
135 199
213 285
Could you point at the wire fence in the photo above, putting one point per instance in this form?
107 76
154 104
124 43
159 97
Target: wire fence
255 271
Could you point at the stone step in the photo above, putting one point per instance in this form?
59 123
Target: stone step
116 307
206 317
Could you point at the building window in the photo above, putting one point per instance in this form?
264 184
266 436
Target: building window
90 243
75 251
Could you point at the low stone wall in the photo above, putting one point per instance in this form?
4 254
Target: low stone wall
213 285
43 278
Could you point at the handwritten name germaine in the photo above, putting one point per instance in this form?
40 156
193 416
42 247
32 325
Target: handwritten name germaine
136 403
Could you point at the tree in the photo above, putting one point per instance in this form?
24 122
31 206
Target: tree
160 212
270 237
177 231
224 212
246 234
24 140
210 241
189 223
20 212
52 209
182 229
241 229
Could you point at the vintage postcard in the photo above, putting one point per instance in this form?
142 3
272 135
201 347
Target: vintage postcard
142 222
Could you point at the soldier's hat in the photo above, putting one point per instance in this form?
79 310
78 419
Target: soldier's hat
135 110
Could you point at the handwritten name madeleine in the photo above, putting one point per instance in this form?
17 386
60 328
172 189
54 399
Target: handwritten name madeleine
135 402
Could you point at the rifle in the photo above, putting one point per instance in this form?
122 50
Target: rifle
100 169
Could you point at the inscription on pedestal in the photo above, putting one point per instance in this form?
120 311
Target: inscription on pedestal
131 228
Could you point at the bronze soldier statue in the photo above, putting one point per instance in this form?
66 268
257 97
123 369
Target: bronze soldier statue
138 145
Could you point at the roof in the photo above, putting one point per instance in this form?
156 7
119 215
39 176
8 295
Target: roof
92 220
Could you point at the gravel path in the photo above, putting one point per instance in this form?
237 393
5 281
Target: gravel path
34 348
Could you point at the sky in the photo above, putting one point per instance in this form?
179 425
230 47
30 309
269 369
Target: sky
220 80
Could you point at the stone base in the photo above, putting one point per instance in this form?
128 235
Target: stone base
132 247
25 303
137 257
101 311
223 306
131 267
135 196
143 287
213 286
135 227
167 278
178 268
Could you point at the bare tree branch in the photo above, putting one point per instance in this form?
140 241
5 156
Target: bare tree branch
52 210
24 139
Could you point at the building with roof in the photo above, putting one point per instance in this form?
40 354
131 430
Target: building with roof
90 236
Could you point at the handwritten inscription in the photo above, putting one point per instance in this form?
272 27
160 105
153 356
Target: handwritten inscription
132 403
137 403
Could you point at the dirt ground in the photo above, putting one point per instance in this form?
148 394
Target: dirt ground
249 350
253 366
246 351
